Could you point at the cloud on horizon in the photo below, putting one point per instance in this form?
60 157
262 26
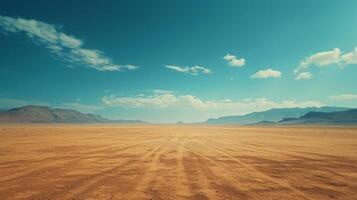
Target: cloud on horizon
342 97
234 61
190 70
189 102
163 102
64 46
163 91
267 73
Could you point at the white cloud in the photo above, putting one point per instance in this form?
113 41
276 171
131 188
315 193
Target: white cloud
320 59
303 76
349 58
189 70
184 107
268 73
190 108
344 97
161 100
69 41
163 91
64 46
325 58
234 61
189 102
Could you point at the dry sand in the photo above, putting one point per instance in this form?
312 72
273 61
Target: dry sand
176 162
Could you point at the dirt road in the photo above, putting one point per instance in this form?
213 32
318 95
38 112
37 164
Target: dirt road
176 162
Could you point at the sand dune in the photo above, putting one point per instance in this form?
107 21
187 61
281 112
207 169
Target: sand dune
177 162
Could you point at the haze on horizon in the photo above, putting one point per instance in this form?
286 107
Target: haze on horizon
169 61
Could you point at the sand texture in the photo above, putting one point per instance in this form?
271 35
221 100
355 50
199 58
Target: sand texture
177 162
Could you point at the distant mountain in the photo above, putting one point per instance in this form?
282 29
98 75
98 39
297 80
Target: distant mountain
126 121
272 115
263 123
43 114
347 117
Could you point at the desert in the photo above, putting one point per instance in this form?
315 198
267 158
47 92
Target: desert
105 161
178 100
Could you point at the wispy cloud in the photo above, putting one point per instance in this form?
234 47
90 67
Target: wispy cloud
234 61
157 91
164 100
185 106
344 97
349 58
324 59
177 101
320 59
268 73
190 70
67 47
303 76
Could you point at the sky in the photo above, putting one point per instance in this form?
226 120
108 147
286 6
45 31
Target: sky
180 60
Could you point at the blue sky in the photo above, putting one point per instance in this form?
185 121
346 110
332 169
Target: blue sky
166 61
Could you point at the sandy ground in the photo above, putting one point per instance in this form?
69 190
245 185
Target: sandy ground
176 162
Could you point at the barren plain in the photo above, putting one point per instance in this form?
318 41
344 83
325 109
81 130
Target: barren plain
177 162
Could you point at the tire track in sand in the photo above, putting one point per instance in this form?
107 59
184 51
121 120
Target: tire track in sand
219 185
149 175
84 185
86 192
53 166
259 173
165 174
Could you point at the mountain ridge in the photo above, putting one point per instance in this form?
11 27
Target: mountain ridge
347 117
44 114
271 115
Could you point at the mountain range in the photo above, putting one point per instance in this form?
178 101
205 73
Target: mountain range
272 115
43 114
347 117
277 116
